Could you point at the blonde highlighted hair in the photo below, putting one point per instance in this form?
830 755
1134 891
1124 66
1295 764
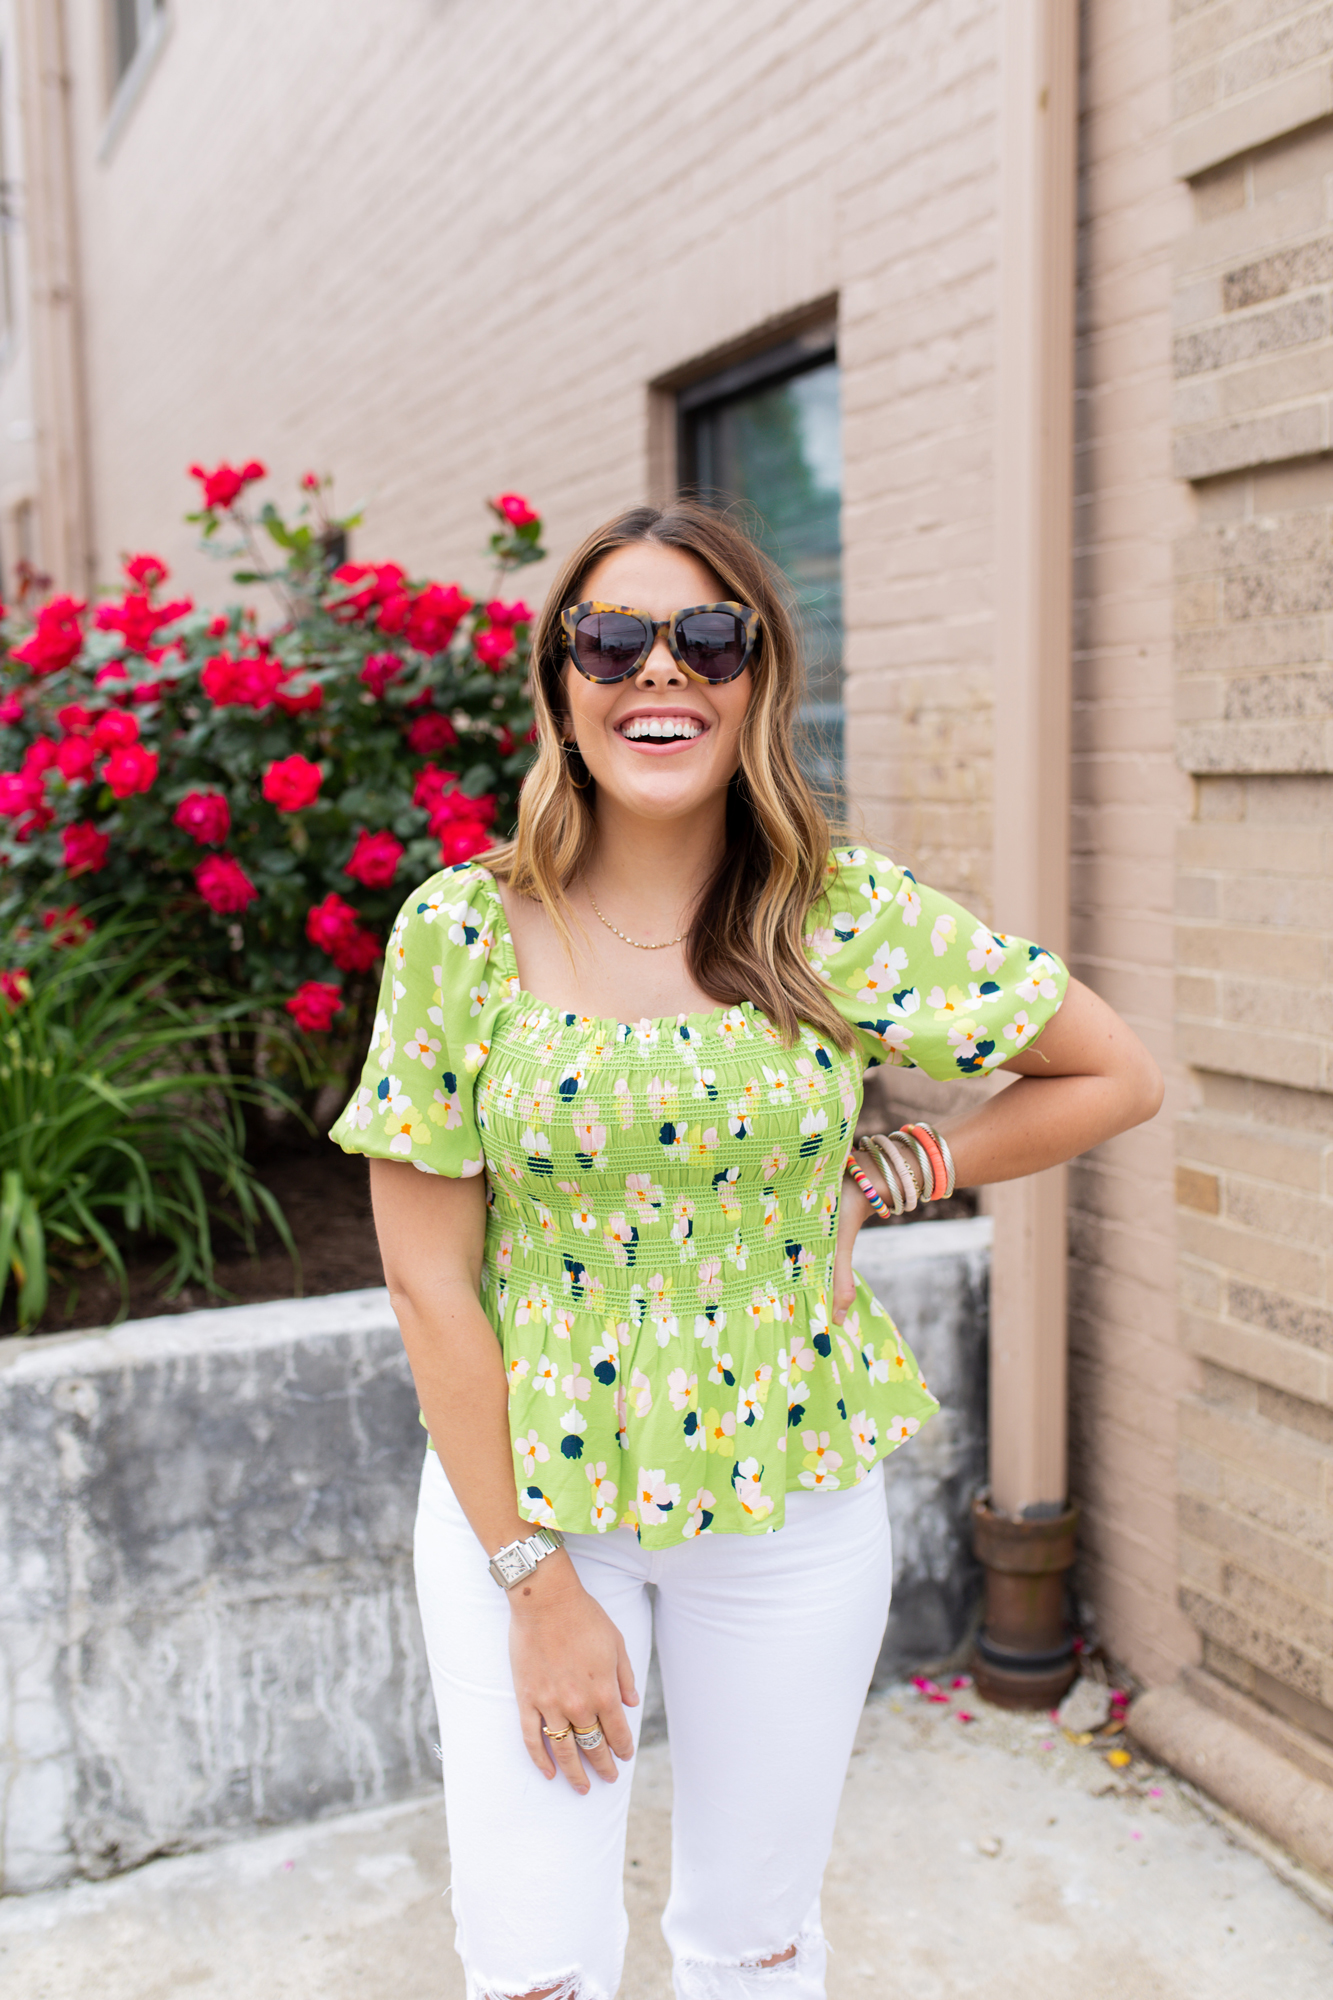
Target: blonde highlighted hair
746 939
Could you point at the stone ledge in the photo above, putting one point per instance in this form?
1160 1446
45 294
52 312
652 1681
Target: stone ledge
1236 1753
1242 123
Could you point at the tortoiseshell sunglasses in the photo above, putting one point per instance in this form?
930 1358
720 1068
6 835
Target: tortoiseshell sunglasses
609 642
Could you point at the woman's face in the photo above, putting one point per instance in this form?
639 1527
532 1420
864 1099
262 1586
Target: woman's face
656 777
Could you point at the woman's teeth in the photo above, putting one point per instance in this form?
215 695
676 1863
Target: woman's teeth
665 726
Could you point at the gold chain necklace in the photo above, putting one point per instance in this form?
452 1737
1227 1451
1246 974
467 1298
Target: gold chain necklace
629 940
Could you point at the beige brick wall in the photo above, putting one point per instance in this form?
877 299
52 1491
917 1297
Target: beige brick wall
1253 365
1128 796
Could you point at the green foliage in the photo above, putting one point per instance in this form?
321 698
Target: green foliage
120 1121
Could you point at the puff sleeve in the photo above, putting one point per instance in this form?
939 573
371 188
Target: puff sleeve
925 984
416 1099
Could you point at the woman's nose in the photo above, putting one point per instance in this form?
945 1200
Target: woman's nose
660 669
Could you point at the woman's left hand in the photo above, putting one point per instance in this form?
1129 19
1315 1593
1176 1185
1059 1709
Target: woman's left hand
852 1212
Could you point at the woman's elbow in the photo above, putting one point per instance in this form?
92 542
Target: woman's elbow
1145 1087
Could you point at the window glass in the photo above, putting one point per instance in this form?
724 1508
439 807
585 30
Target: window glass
776 444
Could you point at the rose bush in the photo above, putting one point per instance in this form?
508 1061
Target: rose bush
268 792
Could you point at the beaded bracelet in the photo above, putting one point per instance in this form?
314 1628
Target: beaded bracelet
873 1145
867 1187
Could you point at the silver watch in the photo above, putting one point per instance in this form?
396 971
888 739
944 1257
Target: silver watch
516 1560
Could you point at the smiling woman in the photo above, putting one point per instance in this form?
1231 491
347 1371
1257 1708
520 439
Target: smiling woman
625 1059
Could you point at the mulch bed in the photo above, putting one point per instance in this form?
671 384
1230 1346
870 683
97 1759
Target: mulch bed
325 1195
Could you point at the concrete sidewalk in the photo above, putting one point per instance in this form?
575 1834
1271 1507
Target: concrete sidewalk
991 1857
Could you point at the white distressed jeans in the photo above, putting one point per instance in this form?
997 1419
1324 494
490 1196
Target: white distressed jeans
766 1644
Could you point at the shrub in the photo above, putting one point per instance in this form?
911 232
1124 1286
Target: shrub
116 1122
267 795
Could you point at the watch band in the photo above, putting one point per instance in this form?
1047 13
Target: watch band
516 1560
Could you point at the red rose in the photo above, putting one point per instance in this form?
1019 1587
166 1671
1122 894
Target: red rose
217 627
137 620
431 732
531 736
314 1004
145 691
330 923
58 639
85 849
372 589
494 647
512 507
130 770
374 859
11 711
114 670
224 884
460 840
433 618
297 695
222 486
504 742
15 987
205 816
114 729
67 927
358 952
452 804
75 757
248 682
39 756
20 792
310 482
292 783
379 670
508 614
74 717
431 782
147 571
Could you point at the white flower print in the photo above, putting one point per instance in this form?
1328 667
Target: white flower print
699 1515
537 1507
662 1095
733 1025
643 1197
475 1054
562 1324
814 1120
573 1422
589 1136
779 1086
899 1429
362 1108
620 1234
909 896
987 953
478 996
710 1279
583 1219
874 895
532 1453
545 1375
656 1496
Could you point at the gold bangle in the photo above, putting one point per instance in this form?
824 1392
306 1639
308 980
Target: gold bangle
874 1150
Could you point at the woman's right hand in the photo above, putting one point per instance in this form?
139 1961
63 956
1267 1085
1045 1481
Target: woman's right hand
570 1667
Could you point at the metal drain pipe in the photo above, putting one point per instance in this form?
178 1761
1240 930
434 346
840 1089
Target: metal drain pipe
1024 1530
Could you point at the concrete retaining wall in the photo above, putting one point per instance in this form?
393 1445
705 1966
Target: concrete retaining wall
206 1612
934 1279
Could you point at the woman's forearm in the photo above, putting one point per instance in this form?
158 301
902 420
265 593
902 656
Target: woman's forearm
1036 1122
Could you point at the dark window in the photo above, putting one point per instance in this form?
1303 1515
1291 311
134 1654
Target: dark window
769 433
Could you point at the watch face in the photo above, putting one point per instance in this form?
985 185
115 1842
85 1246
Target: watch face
512 1563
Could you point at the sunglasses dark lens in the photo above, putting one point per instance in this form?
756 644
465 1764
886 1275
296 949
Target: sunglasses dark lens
712 643
607 644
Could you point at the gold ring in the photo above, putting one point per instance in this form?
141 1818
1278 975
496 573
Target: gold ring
557 1735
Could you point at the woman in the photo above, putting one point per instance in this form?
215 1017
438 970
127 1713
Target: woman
626 1057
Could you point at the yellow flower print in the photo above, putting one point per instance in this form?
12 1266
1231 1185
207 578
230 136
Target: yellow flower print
475 1054
772 1214
942 934
534 1305
872 983
518 1369
640 1393
733 1026
1040 982
719 1429
909 898
445 1108
404 1125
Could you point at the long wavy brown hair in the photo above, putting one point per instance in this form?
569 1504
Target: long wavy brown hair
745 940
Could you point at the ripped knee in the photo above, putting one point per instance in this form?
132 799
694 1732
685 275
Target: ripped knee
568 1988
778 1958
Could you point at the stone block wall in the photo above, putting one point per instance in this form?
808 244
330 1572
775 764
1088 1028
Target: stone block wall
1253 361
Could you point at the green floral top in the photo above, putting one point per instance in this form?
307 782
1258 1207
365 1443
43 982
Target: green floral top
664 1195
